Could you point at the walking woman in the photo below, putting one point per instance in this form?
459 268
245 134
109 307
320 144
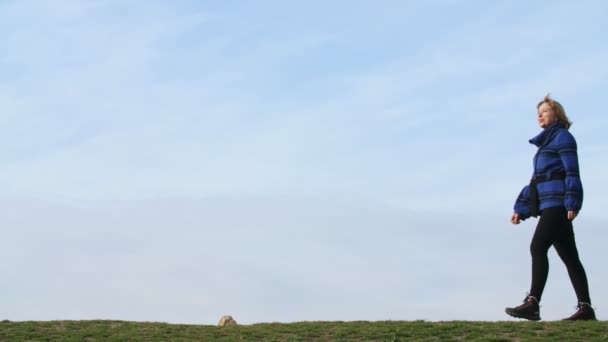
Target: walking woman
555 193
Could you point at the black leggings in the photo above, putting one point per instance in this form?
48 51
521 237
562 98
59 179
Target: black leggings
555 229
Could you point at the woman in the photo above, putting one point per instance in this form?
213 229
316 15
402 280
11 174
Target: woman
555 194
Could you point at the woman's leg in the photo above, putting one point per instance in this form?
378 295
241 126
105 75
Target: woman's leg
541 242
565 245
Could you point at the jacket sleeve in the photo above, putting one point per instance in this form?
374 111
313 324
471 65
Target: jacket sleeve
567 150
522 204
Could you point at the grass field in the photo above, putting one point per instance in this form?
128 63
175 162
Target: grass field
305 331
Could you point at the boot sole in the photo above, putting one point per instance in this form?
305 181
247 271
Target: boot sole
580 319
514 313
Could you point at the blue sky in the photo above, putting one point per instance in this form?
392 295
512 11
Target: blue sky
385 117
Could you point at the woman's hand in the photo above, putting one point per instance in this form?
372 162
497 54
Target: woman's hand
516 220
572 214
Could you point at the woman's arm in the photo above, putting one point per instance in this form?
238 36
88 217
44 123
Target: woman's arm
522 204
567 150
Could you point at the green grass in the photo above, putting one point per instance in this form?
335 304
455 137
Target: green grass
306 331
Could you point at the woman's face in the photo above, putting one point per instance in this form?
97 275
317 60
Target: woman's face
546 116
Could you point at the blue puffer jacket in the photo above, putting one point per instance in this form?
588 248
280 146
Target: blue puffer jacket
556 152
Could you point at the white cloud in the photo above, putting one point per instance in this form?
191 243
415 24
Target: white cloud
109 100
260 259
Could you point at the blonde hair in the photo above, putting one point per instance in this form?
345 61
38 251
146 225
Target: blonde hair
558 110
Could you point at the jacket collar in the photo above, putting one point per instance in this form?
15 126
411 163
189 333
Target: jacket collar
547 134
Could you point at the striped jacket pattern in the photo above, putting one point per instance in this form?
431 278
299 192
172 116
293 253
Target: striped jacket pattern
557 151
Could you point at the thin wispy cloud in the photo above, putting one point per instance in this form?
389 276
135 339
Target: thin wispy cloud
417 108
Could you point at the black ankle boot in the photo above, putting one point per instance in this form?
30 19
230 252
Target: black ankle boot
529 310
584 313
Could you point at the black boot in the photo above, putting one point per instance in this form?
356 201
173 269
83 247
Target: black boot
529 310
584 313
